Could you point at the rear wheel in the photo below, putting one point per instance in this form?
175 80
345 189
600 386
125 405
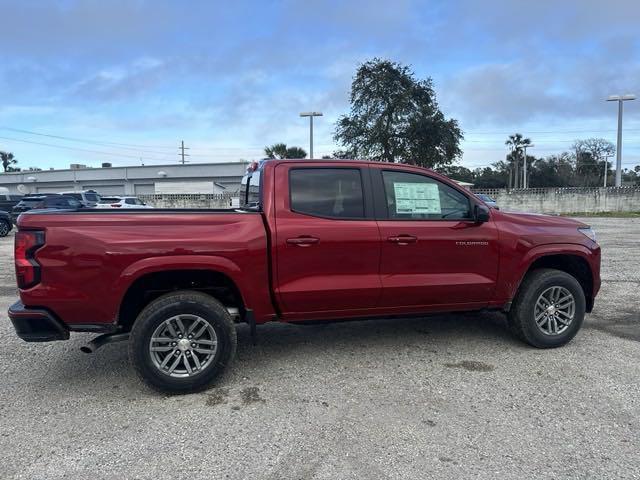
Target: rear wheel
5 228
182 342
549 308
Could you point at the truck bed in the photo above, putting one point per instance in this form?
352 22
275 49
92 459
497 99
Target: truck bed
108 250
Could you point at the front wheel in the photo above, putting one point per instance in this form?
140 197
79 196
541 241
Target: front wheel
182 342
549 308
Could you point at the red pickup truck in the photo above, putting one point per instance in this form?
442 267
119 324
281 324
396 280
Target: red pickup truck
312 240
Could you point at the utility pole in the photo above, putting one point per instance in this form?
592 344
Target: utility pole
620 99
311 115
516 169
182 154
509 160
525 183
577 158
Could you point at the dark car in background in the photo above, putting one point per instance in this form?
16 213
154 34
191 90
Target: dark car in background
39 202
8 201
5 224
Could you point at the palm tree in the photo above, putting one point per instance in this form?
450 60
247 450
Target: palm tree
516 142
280 150
8 160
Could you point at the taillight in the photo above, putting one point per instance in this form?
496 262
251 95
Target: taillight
27 268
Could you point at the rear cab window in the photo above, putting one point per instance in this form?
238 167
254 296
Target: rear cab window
251 187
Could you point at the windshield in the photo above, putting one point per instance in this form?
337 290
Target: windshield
109 200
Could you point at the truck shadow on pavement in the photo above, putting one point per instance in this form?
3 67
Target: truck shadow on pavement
467 337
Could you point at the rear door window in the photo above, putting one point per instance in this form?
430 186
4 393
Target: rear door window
327 192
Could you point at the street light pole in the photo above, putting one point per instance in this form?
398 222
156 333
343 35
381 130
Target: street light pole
525 182
311 115
620 99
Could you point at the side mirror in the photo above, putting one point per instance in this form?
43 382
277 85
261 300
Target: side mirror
482 213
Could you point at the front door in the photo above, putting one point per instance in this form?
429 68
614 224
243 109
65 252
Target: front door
433 253
327 241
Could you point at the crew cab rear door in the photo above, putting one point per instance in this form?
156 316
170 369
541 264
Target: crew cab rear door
434 255
327 244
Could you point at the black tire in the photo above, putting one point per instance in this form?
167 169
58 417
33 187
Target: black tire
183 302
522 313
5 228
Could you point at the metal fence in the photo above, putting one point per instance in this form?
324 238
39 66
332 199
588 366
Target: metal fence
557 190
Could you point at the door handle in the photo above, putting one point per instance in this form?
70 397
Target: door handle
403 239
303 241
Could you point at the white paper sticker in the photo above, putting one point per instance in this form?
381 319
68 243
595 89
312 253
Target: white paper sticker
417 198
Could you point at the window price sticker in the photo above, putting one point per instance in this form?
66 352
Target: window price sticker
417 198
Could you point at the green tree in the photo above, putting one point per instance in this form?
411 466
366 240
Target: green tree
280 150
343 154
394 117
590 157
488 177
516 142
457 172
8 160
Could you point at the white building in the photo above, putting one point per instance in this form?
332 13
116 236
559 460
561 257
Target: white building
134 180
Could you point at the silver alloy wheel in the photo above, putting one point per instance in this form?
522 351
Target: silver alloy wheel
554 310
183 346
4 228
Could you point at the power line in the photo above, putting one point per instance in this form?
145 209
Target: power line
128 146
99 152
549 132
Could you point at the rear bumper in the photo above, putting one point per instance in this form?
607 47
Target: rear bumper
36 325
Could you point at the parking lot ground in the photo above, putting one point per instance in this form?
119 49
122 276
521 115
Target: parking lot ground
448 396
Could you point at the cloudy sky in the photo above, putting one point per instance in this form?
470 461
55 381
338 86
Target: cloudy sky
125 81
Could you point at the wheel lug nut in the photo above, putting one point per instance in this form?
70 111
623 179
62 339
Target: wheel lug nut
193 345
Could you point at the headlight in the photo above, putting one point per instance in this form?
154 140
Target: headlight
588 232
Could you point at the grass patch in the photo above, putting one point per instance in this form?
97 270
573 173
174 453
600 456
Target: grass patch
603 214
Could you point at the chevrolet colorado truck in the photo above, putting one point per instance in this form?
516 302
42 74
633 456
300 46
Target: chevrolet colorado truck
312 240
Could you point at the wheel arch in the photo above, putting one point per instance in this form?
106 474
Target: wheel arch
150 278
574 262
